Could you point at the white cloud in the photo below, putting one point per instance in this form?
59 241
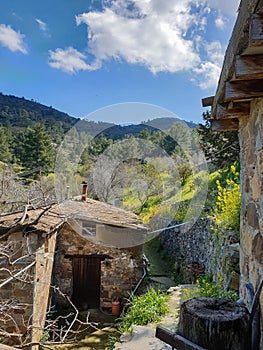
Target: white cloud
220 22
42 25
69 60
229 7
151 33
163 36
11 39
207 73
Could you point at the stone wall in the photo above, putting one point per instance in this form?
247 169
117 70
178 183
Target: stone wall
251 233
17 296
190 246
120 270
26 296
195 251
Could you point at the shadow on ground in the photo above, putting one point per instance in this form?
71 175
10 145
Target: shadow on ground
94 339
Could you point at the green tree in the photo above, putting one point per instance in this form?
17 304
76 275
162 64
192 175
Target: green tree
35 149
165 141
185 171
144 134
5 154
182 135
221 148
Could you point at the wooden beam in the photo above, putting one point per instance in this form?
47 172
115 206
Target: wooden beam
248 67
240 90
255 42
175 340
238 42
239 107
256 29
224 125
233 110
208 101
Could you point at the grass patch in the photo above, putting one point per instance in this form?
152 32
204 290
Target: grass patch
143 309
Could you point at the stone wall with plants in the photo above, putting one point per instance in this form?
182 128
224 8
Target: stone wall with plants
196 251
211 244
251 234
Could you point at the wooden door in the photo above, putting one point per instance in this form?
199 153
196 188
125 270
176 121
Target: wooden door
86 282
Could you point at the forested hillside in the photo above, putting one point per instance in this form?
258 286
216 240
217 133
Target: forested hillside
31 133
18 112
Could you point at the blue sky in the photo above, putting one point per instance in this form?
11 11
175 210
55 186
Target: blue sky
83 55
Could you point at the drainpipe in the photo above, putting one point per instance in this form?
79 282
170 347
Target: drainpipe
138 284
141 279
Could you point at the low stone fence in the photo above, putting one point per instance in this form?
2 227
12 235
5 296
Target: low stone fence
195 251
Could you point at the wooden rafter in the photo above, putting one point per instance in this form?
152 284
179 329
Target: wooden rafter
255 43
256 30
240 90
249 67
232 110
224 125
241 77
208 101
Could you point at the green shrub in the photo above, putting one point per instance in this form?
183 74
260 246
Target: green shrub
206 287
143 309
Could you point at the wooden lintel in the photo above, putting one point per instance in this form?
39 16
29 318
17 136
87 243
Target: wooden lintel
256 29
249 67
233 110
239 107
208 101
239 90
255 42
224 125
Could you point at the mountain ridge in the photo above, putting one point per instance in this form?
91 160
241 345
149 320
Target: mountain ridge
18 113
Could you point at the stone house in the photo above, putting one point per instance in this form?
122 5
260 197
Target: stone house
88 251
238 105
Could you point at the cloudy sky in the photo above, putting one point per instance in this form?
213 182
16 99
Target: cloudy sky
82 55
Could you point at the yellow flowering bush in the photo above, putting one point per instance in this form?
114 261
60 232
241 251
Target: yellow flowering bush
206 287
227 210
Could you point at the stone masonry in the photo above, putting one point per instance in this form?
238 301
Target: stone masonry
194 252
120 271
251 230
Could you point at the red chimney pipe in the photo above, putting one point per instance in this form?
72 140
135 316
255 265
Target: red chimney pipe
84 191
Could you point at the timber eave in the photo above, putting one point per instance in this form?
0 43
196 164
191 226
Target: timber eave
241 78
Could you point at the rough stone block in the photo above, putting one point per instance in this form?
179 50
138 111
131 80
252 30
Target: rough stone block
252 215
257 248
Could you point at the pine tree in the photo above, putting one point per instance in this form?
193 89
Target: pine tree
36 149
220 148
5 154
